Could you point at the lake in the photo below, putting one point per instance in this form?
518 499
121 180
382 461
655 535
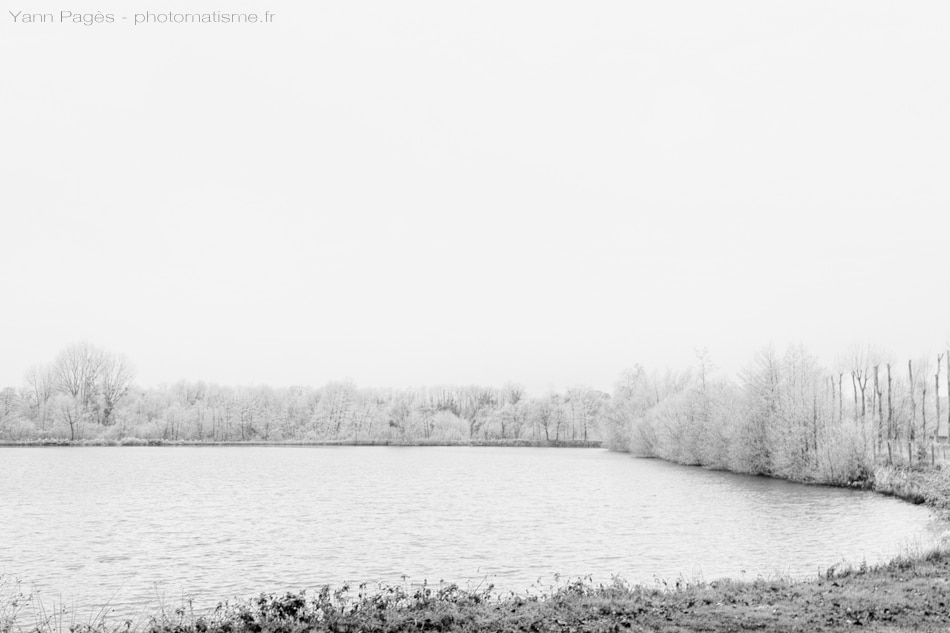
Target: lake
132 526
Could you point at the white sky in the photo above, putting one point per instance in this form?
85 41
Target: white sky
409 193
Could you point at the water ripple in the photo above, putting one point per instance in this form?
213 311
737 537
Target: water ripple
134 525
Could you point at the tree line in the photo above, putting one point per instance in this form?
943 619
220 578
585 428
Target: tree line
89 393
786 414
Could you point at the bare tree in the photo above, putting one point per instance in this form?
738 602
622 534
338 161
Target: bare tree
880 410
832 391
913 401
115 378
426 409
858 360
512 393
937 394
840 397
77 369
475 401
923 381
10 402
400 411
447 399
544 416
70 412
511 415
890 404
96 379
40 389
706 368
557 416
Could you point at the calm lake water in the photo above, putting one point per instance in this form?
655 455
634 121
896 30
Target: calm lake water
127 526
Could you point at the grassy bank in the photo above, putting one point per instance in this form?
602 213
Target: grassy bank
910 593
134 441
924 485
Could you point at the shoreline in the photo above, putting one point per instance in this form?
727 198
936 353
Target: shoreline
911 592
920 485
302 443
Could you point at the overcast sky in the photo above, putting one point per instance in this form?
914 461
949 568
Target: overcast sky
412 193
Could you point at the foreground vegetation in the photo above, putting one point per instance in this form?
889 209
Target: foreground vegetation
909 593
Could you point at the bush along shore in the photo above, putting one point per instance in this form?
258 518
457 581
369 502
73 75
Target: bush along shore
921 485
909 593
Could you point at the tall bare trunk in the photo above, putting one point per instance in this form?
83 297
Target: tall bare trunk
880 416
913 402
832 399
863 385
840 399
937 395
890 406
854 387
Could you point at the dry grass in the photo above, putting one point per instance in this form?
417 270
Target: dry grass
911 592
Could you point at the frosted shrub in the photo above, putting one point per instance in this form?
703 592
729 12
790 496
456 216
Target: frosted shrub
792 455
641 439
844 455
446 426
750 450
663 428
617 432
17 429
153 429
714 447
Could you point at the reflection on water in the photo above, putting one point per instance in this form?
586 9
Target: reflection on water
130 525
